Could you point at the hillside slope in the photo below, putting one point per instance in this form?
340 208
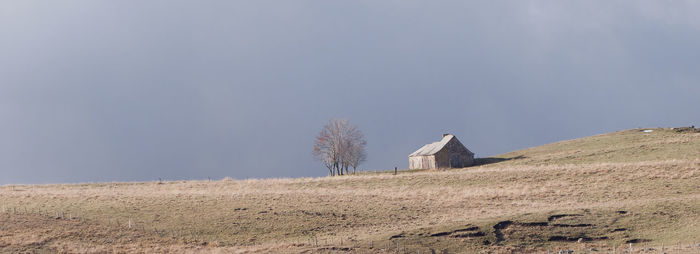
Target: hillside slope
598 192
634 145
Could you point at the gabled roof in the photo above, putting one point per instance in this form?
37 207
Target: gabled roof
432 148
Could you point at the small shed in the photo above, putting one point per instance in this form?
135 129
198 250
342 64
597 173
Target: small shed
446 153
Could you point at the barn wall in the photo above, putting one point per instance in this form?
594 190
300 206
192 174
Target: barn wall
468 160
421 162
429 162
442 158
454 150
413 163
457 149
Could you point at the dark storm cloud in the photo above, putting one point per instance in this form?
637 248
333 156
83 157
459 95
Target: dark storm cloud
133 90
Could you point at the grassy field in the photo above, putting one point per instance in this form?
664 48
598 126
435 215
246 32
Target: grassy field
593 194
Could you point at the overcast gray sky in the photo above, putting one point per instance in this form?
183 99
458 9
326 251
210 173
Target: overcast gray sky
139 90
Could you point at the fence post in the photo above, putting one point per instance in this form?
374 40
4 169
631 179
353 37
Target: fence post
396 170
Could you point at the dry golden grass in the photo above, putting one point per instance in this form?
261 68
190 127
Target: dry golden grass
619 187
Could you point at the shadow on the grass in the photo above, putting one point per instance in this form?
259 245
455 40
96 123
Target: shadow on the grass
491 160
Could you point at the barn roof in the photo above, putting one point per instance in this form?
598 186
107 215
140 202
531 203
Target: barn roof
434 147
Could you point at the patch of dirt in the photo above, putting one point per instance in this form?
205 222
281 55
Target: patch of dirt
474 228
402 235
583 238
502 224
441 234
557 216
637 240
572 225
533 224
499 227
459 233
565 227
465 235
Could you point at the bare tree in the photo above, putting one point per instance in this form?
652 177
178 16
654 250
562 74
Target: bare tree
323 150
340 146
357 155
354 149
327 148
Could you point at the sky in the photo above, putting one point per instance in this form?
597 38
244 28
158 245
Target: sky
99 91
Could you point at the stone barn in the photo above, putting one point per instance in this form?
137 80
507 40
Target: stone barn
446 153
